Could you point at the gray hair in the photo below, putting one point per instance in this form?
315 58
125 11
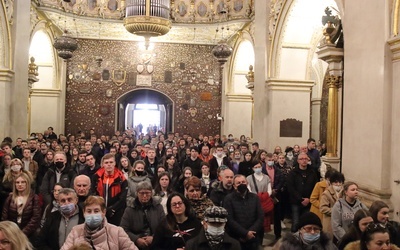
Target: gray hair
67 191
144 185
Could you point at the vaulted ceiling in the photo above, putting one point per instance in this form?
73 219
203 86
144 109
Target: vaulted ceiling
193 21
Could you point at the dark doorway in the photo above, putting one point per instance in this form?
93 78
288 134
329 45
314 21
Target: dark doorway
146 107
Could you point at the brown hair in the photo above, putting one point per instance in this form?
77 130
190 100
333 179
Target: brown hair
95 200
192 181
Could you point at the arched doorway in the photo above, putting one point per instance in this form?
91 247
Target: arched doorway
146 107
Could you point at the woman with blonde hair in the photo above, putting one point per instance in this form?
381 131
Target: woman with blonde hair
12 237
96 231
15 170
22 206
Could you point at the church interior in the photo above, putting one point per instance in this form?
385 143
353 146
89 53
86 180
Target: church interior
277 71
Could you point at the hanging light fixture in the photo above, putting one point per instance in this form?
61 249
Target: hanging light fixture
147 18
65 44
222 51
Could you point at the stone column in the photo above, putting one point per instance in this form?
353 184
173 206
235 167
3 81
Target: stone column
334 57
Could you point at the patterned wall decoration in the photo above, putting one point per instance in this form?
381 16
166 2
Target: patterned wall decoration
101 71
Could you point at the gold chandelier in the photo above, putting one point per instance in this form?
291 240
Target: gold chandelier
147 18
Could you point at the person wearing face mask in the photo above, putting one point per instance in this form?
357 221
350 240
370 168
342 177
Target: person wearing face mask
289 157
59 172
329 197
96 232
319 188
213 235
309 235
245 215
137 175
59 223
218 160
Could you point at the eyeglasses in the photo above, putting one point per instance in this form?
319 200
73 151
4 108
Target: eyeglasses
144 193
176 204
310 229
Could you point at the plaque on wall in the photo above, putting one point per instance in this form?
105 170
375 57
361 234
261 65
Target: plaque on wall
168 76
143 80
291 128
131 78
206 96
119 76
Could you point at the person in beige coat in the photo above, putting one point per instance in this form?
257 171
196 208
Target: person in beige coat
329 198
96 232
316 194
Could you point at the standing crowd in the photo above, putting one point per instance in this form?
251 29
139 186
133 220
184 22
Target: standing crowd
172 191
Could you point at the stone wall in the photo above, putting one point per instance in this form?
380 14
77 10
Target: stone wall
187 74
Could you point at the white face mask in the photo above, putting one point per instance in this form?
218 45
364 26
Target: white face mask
214 231
16 168
337 188
270 163
289 156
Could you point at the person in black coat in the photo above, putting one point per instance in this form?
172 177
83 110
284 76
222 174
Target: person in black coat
246 226
300 184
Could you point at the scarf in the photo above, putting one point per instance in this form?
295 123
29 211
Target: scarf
214 240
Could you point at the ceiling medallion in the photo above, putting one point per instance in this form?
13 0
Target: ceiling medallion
65 46
148 19
222 51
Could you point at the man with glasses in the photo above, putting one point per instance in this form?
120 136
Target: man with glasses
141 220
300 184
309 235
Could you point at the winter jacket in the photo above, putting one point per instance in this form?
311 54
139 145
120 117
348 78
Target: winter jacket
315 197
31 214
200 242
342 216
214 165
244 214
300 184
49 180
328 199
133 221
218 194
294 242
116 193
110 237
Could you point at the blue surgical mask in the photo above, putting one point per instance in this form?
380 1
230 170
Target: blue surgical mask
93 220
257 170
67 209
270 163
310 238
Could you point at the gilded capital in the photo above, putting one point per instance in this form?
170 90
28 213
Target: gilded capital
334 81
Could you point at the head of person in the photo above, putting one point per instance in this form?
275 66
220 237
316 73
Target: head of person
6 147
26 153
289 152
194 152
56 190
269 159
170 160
16 166
124 148
215 219
311 143
336 180
151 153
67 199
205 168
379 212
163 183
257 168
281 159
94 210
160 169
255 146
375 237
33 144
219 151
362 218
205 150
125 163
88 146
225 175
144 192
12 238
90 160
309 228
187 172
108 162
177 205
7 160
350 190
240 184
22 185
193 188
303 159
60 159
82 185
138 168
134 154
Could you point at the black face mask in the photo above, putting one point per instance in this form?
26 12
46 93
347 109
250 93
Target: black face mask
139 173
242 188
59 164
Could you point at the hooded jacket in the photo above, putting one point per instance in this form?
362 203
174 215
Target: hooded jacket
294 242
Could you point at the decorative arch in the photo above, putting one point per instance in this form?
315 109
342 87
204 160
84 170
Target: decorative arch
5 39
143 95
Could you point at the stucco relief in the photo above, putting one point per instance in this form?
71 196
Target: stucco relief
276 6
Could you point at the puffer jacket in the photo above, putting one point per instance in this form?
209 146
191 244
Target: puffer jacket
110 237
293 242
31 214
356 246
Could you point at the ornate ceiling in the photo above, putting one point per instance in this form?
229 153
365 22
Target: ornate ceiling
193 21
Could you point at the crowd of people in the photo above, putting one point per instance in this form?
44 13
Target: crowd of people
173 191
